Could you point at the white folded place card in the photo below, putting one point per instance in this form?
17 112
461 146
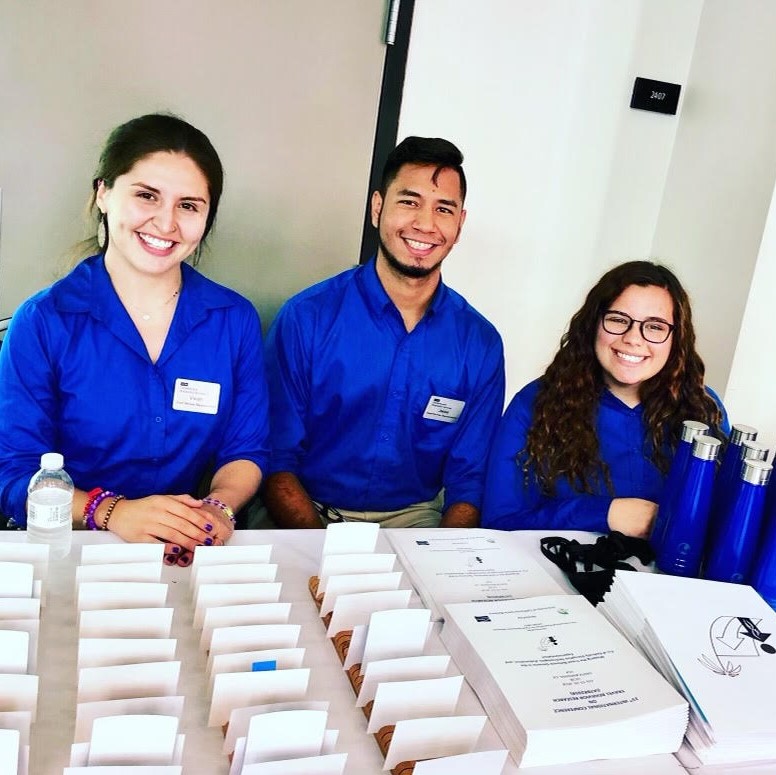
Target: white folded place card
151 679
235 690
173 769
234 573
229 555
32 628
394 634
35 554
251 637
137 739
331 764
104 652
349 583
9 751
240 718
351 538
356 646
351 610
126 623
400 700
214 595
404 669
19 608
16 579
87 712
119 571
430 738
19 720
286 734
14 651
243 661
339 564
106 554
108 595
79 757
19 692
236 615
481 762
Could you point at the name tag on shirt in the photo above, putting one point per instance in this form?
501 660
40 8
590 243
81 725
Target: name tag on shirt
191 395
443 409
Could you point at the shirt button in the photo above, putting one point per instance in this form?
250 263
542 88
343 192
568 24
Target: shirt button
158 419
383 437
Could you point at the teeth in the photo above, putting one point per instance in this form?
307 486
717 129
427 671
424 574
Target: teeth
419 245
155 242
630 358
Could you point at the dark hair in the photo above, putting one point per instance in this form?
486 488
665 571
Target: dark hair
140 137
424 150
562 439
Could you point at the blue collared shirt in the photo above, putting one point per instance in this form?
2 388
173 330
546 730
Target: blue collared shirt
350 387
75 377
512 504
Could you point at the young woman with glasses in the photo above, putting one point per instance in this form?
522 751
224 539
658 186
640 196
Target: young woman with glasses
587 445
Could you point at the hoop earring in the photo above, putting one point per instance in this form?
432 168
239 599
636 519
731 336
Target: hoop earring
102 232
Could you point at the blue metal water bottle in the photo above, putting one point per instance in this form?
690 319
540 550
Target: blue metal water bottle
691 429
763 575
685 535
731 550
728 472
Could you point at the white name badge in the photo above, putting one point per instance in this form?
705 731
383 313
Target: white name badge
191 395
443 409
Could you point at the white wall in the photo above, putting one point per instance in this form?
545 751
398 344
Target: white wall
566 180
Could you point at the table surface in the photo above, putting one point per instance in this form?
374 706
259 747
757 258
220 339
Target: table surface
297 554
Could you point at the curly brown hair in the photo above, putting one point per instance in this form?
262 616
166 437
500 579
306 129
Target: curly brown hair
562 439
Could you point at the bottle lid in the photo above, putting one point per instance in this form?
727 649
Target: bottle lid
52 461
756 471
753 450
693 428
740 432
706 447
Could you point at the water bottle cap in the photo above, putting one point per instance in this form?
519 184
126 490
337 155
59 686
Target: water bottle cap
706 447
753 450
740 432
756 471
52 461
693 428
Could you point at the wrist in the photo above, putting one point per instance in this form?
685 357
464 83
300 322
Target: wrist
222 507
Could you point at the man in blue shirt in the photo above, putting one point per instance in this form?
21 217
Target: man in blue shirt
386 385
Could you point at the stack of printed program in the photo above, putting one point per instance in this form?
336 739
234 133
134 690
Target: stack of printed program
560 683
716 643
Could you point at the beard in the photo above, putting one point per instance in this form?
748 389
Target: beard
406 270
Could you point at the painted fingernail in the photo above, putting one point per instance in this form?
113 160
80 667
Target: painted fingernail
184 559
208 527
175 549
170 559
208 541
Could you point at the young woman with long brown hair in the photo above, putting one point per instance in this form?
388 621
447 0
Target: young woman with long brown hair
587 446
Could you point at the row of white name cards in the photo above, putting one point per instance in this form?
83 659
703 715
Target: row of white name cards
23 569
256 682
409 696
128 707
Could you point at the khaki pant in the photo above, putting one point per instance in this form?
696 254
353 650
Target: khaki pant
427 514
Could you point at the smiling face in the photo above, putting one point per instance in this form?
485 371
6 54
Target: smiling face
628 359
419 219
156 213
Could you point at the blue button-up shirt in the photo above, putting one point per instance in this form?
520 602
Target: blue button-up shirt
350 386
75 378
512 504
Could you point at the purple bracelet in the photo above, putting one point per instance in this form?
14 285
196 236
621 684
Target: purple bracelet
221 505
92 509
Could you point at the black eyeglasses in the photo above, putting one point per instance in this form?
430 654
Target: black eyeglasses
652 329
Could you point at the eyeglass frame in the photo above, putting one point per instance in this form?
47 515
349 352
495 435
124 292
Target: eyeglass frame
671 326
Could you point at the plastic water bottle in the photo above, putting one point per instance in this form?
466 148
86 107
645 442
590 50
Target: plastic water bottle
50 506
691 429
685 536
732 548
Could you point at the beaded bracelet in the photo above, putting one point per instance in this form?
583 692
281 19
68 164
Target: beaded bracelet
111 506
91 507
221 505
